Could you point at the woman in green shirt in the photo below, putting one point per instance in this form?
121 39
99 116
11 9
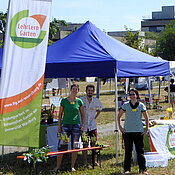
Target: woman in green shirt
69 120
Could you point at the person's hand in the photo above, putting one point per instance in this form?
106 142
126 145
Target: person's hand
81 127
59 130
121 130
145 133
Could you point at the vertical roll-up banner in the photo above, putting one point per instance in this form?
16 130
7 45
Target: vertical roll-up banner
23 72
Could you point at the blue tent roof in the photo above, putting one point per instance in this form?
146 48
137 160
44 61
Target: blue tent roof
90 52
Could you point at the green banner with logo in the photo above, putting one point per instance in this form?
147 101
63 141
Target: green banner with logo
22 75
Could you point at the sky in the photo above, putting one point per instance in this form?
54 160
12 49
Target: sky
108 15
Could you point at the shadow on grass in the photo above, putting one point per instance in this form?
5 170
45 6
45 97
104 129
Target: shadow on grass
11 165
108 109
107 93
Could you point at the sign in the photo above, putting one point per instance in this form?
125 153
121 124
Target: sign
23 72
55 101
171 140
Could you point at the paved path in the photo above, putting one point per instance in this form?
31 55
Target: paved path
108 129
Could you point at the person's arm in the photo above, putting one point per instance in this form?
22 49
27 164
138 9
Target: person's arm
99 107
97 114
145 114
82 116
60 117
119 120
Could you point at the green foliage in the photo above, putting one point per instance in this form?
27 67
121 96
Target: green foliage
135 41
1 44
93 139
165 47
37 155
50 42
55 27
132 39
3 21
63 137
100 145
151 35
85 137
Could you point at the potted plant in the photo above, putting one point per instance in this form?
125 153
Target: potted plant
50 116
37 155
93 140
85 139
47 114
64 140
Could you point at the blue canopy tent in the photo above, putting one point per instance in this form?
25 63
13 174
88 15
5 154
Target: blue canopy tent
90 52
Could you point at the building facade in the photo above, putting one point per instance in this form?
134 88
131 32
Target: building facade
159 19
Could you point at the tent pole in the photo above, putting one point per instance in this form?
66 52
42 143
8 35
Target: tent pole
149 92
169 93
116 116
160 83
127 86
69 84
110 84
98 87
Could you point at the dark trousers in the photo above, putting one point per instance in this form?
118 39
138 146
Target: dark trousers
137 139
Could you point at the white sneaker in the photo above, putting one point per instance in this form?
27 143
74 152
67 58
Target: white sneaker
73 169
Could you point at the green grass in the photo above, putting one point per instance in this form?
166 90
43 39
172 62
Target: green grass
10 165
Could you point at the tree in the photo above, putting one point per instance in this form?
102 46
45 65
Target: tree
133 39
165 47
55 27
3 17
151 35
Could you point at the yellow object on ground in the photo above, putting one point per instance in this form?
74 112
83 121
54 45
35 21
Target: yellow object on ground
170 111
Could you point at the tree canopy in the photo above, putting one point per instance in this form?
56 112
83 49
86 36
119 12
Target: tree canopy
165 47
55 25
133 39
3 17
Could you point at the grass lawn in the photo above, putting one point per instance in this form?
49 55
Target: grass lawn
11 166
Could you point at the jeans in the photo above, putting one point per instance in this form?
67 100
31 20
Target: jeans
137 139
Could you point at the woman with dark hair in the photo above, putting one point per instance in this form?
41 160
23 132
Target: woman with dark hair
133 131
69 121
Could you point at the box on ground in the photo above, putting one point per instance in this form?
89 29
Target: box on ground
154 159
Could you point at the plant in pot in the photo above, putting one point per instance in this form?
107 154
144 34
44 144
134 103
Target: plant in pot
50 116
85 139
47 114
93 140
64 140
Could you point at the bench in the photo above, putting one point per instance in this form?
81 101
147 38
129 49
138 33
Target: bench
55 153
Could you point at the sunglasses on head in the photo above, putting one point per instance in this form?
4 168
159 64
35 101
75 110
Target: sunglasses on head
132 94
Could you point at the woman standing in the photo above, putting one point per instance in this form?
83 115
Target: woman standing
69 121
133 131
